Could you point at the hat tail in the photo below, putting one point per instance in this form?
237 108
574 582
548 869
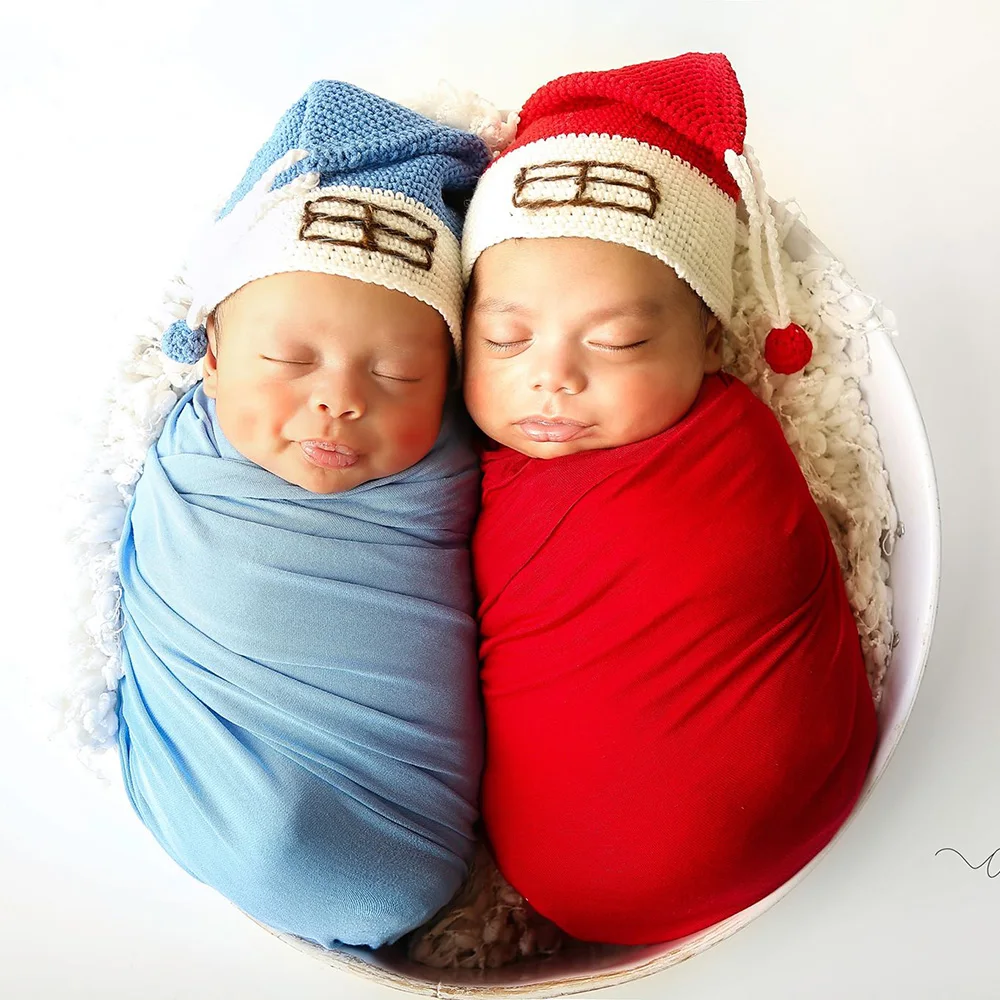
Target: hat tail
221 238
788 347
747 173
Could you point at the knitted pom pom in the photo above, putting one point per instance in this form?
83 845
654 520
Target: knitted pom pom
788 349
181 343
466 110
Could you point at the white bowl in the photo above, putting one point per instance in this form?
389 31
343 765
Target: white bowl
915 575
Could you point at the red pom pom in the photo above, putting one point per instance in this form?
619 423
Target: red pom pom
788 349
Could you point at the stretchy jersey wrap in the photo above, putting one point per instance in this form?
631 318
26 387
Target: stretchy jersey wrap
299 717
678 716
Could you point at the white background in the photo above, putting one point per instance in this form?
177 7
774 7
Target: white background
124 123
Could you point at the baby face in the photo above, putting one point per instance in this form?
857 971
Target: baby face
573 344
326 381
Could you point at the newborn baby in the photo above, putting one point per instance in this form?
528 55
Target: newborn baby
677 712
299 721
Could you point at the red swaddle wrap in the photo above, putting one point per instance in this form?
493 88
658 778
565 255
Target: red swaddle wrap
677 711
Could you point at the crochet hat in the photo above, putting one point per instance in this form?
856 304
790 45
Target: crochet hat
348 184
651 156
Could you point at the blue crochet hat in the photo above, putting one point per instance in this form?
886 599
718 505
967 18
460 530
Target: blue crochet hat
350 184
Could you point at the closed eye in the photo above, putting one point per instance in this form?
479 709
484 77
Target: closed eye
284 361
496 345
619 347
395 378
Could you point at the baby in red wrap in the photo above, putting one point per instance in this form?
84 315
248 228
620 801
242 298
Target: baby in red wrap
677 711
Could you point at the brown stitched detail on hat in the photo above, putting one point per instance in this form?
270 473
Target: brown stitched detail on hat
363 224
601 185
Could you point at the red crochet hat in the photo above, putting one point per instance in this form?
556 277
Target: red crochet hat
651 156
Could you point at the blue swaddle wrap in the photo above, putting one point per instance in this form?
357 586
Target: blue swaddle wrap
300 725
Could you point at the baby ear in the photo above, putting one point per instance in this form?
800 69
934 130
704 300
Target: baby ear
713 343
210 362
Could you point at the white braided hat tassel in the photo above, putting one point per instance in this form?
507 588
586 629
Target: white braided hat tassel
788 347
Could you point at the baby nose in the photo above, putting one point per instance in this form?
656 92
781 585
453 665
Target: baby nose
339 396
557 372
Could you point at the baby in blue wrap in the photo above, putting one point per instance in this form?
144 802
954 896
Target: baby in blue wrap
299 721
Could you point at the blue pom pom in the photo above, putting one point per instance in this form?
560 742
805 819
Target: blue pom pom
181 343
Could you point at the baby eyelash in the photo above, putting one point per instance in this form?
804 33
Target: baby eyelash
495 345
621 347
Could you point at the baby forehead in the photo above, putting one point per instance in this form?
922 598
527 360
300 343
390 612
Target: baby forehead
512 275
338 330
580 301
597 307
324 308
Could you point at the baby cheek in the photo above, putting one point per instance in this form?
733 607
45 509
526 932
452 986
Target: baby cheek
263 412
651 405
415 430
393 445
484 396
420 426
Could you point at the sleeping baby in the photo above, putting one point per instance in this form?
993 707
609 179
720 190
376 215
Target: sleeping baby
677 712
299 722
